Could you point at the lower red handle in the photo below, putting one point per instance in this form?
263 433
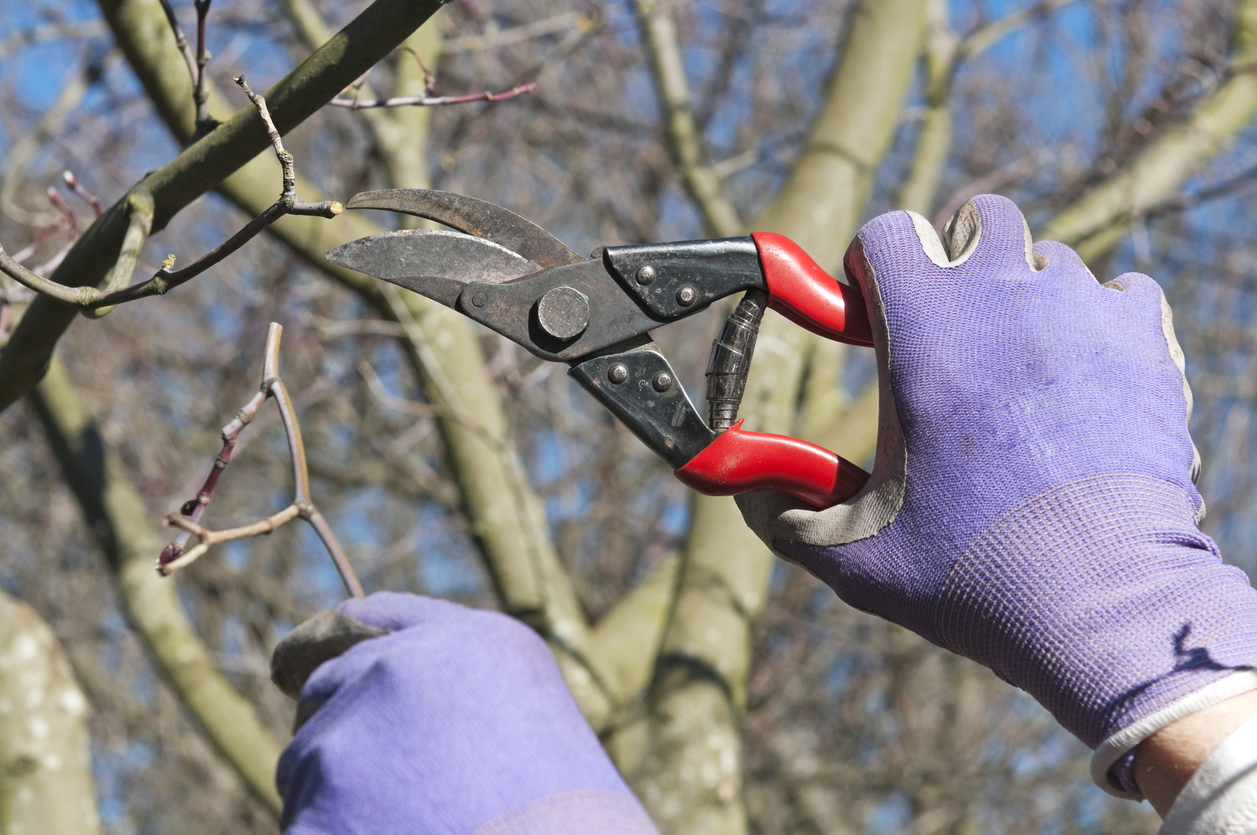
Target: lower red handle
740 462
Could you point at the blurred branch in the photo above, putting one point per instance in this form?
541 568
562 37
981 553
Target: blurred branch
563 22
140 211
944 53
979 40
78 31
1018 169
46 783
117 517
204 165
1101 217
685 140
356 103
628 636
173 557
22 153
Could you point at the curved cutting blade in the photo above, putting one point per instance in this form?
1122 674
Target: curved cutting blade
433 263
474 217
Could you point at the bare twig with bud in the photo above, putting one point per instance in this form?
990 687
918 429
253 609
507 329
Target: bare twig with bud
140 212
73 184
176 555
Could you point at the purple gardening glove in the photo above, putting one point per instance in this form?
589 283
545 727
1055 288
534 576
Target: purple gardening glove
1032 503
431 717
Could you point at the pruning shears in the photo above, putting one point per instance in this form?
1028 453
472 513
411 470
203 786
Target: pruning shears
596 315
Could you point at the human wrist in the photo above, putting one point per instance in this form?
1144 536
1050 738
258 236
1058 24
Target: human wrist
1166 761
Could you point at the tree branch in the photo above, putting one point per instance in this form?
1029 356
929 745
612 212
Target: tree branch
173 556
44 751
117 517
945 52
346 56
685 140
984 37
140 211
356 103
1100 218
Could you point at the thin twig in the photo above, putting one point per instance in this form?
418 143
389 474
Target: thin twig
208 539
167 278
434 101
200 92
67 214
980 39
181 40
72 183
174 556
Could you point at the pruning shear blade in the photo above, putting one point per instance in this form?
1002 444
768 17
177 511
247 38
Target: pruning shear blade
433 263
472 216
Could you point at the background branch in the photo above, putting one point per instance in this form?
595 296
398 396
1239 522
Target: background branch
318 79
117 517
685 140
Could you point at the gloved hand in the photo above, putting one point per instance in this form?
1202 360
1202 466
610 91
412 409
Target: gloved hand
1032 504
423 716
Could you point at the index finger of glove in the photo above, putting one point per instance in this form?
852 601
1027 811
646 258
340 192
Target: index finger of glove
329 634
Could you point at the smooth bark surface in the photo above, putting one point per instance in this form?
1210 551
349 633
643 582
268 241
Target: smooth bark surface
46 785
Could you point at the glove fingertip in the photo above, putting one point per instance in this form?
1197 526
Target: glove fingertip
321 638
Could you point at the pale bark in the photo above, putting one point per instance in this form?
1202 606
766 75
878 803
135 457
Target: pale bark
46 785
683 752
118 518
685 141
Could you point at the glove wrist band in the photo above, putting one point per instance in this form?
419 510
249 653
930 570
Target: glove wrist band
1111 762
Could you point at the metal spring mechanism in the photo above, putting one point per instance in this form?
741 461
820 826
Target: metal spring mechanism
730 360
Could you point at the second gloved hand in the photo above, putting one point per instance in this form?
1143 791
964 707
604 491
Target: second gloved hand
423 716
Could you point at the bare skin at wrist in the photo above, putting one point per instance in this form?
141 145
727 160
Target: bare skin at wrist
1166 760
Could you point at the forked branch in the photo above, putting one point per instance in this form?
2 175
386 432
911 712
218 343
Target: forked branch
167 278
174 556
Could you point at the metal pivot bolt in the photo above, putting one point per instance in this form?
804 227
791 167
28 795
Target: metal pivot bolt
662 382
479 299
563 312
686 296
617 373
645 274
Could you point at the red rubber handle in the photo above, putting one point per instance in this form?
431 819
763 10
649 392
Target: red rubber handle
807 295
739 462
